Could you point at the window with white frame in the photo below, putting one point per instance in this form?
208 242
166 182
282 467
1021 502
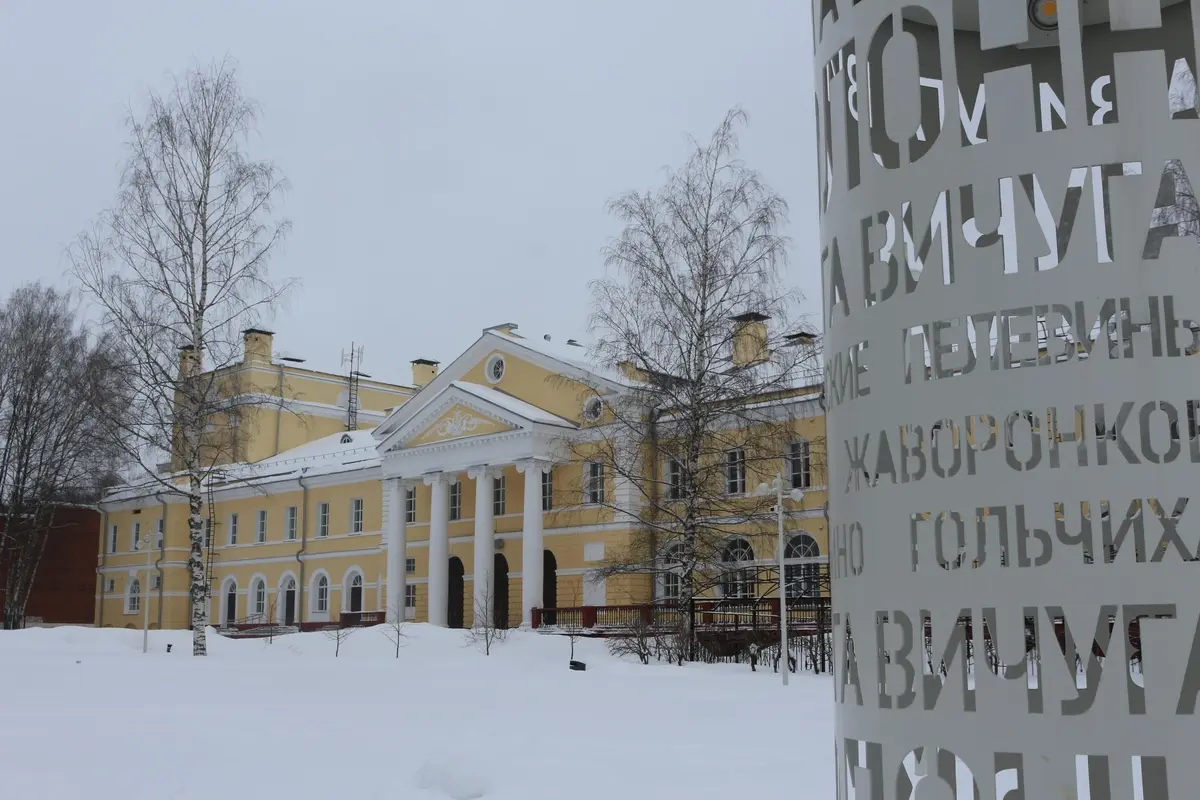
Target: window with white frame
498 495
738 580
289 525
456 500
801 570
548 490
800 464
112 539
353 597
410 565
593 482
674 479
111 585
260 598
133 598
672 584
410 596
410 504
156 582
735 472
323 519
136 541
321 595
158 535
233 528
260 527
356 515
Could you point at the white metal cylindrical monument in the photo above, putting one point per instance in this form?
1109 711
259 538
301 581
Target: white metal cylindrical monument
1011 275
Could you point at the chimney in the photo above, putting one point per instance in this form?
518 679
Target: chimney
423 371
258 345
507 328
750 339
187 357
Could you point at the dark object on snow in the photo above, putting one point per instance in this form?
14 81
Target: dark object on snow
168 648
578 666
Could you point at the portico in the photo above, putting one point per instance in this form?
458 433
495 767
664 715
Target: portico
472 433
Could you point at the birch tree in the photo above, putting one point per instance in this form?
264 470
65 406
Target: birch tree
179 266
56 387
694 311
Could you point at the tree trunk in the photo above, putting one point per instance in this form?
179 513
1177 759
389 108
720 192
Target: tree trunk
199 581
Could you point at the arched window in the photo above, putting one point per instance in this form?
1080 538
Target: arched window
354 597
738 581
803 578
133 601
231 593
672 585
321 595
260 598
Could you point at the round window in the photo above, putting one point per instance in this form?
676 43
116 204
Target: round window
592 408
495 368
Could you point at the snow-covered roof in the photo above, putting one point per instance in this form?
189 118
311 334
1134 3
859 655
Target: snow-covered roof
513 405
558 348
346 451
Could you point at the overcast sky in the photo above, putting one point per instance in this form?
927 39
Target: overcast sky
450 161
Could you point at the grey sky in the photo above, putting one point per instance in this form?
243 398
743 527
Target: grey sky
449 161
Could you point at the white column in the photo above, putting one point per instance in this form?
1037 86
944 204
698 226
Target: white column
531 540
483 590
397 539
439 546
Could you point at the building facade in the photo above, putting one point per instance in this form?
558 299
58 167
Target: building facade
474 471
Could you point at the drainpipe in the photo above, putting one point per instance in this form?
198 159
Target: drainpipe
654 459
303 547
103 561
279 413
162 555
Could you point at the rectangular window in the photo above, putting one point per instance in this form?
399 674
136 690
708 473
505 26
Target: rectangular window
111 585
410 504
233 528
672 586
735 472
498 495
410 596
156 583
356 515
323 519
135 597
137 536
674 479
112 539
410 565
260 529
593 483
158 536
290 523
456 500
547 491
800 462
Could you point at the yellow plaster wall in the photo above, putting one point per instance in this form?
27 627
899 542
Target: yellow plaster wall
483 426
535 385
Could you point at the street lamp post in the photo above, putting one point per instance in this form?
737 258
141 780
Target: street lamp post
145 598
765 489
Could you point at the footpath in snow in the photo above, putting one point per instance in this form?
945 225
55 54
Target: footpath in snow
87 715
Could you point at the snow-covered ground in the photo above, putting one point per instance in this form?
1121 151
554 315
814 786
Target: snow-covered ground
85 715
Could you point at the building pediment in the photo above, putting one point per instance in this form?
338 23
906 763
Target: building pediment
457 422
464 410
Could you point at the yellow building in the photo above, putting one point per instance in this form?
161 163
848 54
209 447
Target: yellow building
473 471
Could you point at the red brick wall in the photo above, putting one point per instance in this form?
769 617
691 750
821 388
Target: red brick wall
64 589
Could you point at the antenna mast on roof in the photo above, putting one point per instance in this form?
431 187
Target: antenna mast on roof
353 360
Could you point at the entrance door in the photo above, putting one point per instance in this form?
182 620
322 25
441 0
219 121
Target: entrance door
500 599
289 603
230 605
356 594
549 586
454 598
